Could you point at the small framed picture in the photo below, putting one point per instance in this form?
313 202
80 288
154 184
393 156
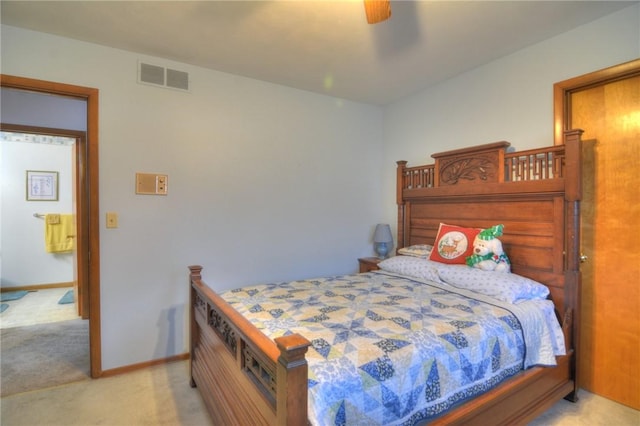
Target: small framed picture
42 185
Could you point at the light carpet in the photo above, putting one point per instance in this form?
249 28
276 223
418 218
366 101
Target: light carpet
44 355
155 396
161 395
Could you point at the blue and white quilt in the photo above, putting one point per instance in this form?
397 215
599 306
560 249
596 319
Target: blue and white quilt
387 349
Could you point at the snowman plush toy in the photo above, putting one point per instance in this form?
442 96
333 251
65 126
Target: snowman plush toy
488 254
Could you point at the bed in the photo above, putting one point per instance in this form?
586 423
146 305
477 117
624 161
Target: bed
246 377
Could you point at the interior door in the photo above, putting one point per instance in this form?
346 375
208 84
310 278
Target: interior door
609 113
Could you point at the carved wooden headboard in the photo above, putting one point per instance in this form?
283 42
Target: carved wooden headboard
535 194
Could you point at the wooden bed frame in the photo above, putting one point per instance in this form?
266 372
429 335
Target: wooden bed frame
246 378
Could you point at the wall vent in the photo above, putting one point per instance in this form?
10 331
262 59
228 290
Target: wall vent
177 79
163 77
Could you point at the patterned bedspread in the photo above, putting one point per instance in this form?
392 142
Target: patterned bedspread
387 349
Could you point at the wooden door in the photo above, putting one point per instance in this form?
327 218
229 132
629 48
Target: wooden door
80 204
609 113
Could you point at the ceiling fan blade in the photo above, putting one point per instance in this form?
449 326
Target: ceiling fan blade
377 10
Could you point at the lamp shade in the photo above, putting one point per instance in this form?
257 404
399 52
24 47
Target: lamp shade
382 240
382 234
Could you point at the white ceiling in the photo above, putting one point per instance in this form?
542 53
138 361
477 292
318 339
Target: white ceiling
320 46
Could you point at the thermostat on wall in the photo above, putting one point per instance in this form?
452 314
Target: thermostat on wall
151 184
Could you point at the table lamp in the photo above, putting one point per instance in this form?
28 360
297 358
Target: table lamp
382 240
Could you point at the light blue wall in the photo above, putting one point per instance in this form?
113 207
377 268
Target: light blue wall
265 183
41 110
508 99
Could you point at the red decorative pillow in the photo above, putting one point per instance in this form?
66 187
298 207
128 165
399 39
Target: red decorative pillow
453 244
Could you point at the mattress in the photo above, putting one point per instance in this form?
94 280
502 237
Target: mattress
395 350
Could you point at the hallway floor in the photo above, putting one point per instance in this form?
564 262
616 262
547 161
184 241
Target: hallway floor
38 307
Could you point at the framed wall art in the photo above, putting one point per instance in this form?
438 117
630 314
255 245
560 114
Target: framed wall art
42 185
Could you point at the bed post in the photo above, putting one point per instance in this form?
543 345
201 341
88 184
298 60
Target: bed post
292 378
195 274
399 200
573 195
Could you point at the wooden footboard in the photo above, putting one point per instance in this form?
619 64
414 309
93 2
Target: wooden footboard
516 401
243 376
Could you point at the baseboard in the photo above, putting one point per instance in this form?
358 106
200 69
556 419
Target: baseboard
134 367
38 286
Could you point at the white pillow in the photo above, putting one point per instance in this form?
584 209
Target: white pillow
411 266
417 250
511 288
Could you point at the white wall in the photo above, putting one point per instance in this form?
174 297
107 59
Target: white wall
24 259
265 183
508 99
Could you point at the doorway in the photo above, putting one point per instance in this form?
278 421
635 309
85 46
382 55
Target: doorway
606 105
56 151
45 342
87 209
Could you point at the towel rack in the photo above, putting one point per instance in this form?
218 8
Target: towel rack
39 215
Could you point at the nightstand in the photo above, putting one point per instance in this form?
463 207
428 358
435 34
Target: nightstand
368 264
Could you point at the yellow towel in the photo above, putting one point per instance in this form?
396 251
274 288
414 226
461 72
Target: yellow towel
53 218
60 237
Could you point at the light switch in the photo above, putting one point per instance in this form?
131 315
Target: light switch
161 184
112 220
